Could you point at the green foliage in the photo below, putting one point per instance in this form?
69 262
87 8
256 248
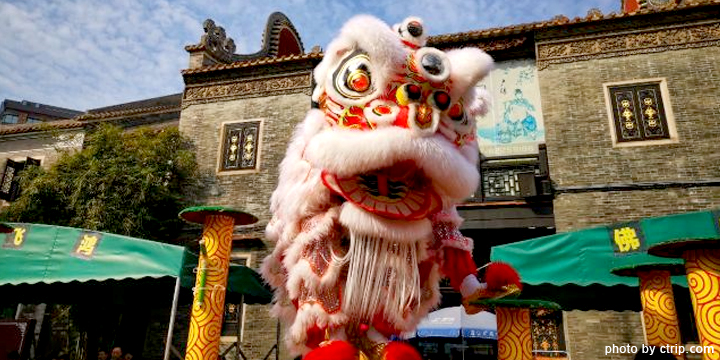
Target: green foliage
125 182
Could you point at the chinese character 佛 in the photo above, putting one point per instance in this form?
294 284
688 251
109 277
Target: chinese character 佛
626 239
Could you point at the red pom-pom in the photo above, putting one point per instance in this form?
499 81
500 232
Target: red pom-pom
336 350
499 274
401 351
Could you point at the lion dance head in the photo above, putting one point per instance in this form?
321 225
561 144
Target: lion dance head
365 204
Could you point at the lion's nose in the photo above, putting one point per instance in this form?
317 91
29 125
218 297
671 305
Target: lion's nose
424 119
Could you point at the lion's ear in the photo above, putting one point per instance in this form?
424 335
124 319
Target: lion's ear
469 66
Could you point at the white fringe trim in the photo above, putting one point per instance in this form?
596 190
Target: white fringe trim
383 276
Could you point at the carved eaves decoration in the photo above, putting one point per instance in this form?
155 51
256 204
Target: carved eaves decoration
248 88
628 43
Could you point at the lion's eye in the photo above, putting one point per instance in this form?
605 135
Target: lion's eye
358 80
353 79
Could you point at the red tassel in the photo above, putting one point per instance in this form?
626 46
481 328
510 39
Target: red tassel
336 350
499 274
400 351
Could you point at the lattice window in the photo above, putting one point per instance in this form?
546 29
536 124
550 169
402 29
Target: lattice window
240 143
233 319
9 185
639 112
503 182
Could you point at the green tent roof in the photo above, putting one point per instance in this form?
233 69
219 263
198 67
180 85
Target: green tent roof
588 256
583 258
45 254
244 284
568 258
36 253
575 268
632 265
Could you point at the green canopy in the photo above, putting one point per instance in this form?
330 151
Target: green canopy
34 254
581 258
44 263
632 265
47 254
582 261
247 282
244 284
586 257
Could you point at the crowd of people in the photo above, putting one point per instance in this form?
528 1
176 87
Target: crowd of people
115 354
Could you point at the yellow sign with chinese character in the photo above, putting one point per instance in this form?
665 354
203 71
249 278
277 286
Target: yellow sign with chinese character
19 236
627 238
86 245
16 238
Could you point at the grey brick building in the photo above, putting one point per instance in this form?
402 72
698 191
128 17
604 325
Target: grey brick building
572 141
583 166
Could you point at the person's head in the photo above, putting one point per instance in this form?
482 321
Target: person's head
128 356
116 353
102 354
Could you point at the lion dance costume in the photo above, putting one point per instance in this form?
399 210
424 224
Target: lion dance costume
364 214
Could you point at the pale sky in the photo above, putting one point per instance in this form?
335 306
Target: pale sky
83 54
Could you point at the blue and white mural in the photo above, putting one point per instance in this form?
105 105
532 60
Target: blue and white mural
514 124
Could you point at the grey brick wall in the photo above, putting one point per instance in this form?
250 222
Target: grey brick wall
578 138
248 192
588 332
577 211
581 154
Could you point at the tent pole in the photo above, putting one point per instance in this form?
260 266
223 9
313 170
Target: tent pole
173 313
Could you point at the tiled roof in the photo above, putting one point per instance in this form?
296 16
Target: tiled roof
260 61
166 100
35 127
594 15
129 112
560 20
194 47
36 108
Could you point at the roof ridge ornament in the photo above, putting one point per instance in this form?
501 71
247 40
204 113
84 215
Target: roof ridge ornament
594 14
216 42
280 39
